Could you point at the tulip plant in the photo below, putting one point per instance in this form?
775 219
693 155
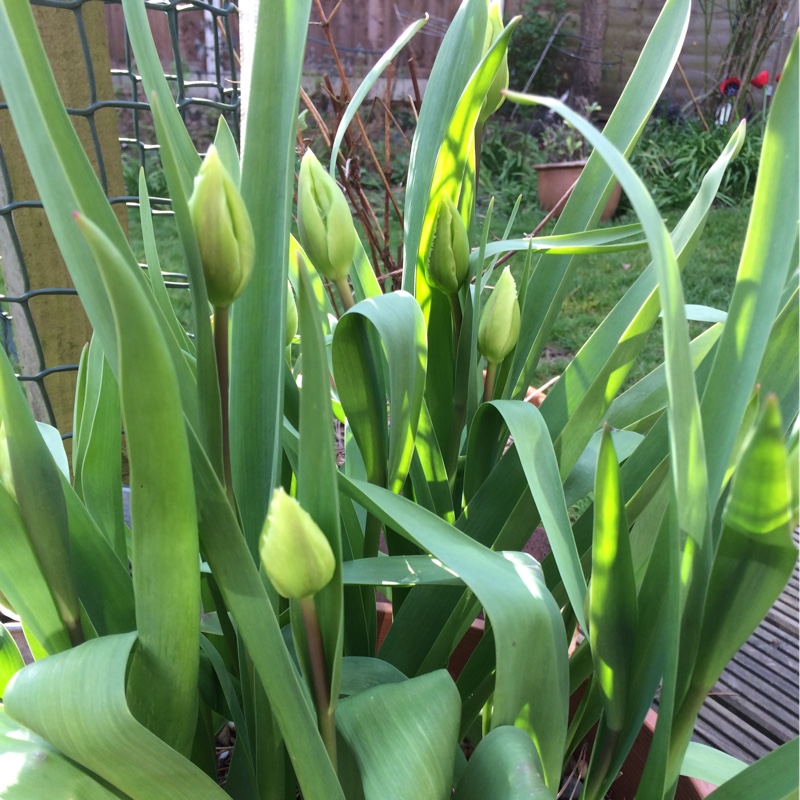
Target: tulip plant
244 592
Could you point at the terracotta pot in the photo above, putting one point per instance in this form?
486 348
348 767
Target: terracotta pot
555 180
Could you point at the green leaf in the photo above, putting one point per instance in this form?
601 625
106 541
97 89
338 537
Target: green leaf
93 725
535 450
767 258
10 658
709 764
459 54
773 777
257 338
403 736
32 767
165 555
530 642
612 591
504 766
35 483
399 571
357 354
360 94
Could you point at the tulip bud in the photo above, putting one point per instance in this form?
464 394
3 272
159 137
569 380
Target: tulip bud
499 326
449 258
223 230
295 553
291 315
494 97
324 221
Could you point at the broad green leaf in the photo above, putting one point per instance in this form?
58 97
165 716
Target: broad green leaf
768 256
531 683
257 338
31 767
23 583
459 54
165 556
752 565
93 725
756 555
612 591
400 340
534 448
102 577
99 467
360 94
709 764
399 571
246 598
403 736
359 674
774 777
35 484
504 766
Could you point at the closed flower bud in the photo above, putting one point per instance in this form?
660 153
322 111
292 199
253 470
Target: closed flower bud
499 326
224 233
291 315
296 556
494 97
449 258
324 221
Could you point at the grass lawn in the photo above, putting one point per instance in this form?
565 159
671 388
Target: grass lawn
601 281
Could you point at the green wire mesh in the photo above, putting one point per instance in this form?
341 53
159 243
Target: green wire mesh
215 91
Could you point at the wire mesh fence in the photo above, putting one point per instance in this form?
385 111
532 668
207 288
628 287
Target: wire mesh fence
197 43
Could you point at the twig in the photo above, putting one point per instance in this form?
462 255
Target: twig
691 94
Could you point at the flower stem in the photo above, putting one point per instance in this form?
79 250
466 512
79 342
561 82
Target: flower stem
319 675
221 352
345 293
488 382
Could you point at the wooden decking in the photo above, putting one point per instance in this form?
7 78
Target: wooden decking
754 707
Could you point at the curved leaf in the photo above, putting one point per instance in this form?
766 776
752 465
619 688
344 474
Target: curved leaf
91 723
403 736
504 766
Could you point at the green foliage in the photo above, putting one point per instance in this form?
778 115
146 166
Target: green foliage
531 39
442 462
672 159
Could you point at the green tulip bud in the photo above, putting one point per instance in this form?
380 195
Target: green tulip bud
449 257
494 97
223 230
295 553
498 329
291 315
324 222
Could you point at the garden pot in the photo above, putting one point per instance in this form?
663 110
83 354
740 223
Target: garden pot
555 180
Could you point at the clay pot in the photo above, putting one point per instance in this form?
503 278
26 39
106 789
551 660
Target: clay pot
555 180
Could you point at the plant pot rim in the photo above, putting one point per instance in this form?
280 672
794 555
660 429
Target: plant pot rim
560 165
